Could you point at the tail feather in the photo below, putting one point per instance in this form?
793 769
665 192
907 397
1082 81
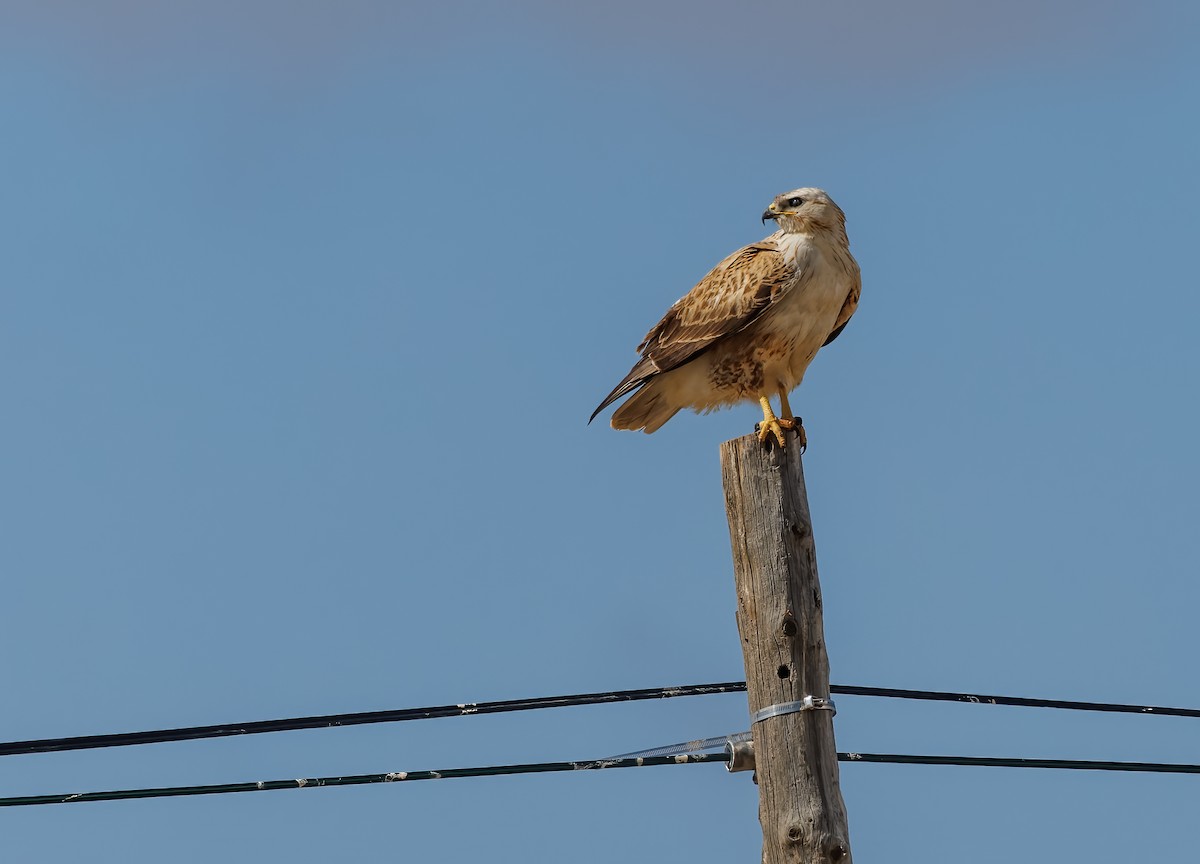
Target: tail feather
641 371
647 410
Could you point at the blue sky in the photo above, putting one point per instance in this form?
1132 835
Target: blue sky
305 307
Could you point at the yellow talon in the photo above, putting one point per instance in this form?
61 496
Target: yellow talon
775 426
772 425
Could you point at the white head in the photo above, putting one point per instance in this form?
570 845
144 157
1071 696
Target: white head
804 210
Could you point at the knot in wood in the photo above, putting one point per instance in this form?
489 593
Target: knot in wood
800 529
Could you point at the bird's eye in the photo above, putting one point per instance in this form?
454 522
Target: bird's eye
795 202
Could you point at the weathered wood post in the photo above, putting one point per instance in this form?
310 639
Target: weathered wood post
783 641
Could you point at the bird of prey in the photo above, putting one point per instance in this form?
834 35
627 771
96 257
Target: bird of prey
749 329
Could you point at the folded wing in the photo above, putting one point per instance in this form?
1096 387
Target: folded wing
727 300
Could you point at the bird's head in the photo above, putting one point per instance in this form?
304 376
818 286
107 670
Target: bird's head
803 210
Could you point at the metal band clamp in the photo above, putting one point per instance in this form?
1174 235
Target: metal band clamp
808 703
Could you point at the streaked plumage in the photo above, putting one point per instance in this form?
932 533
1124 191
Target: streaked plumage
749 329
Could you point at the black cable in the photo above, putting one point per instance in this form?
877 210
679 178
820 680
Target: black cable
361 779
192 733
547 767
1019 701
1003 762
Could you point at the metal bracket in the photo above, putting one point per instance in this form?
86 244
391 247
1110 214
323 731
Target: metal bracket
808 703
739 751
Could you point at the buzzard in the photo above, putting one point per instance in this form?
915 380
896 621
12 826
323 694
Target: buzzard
749 329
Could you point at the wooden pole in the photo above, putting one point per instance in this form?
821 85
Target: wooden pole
783 641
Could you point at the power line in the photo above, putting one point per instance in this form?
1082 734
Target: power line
1018 701
599 764
256 727
225 730
1004 762
361 779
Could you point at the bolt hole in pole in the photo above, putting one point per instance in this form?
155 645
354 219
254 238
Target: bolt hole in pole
785 672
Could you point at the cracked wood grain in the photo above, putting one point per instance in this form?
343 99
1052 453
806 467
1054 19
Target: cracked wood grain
783 642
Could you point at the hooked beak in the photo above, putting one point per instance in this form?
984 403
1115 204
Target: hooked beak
770 213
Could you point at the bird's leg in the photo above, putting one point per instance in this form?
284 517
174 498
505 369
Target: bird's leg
772 425
790 421
785 410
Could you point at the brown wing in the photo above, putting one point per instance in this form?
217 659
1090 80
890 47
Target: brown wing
844 316
725 301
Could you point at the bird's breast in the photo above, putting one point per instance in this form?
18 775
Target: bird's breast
795 328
